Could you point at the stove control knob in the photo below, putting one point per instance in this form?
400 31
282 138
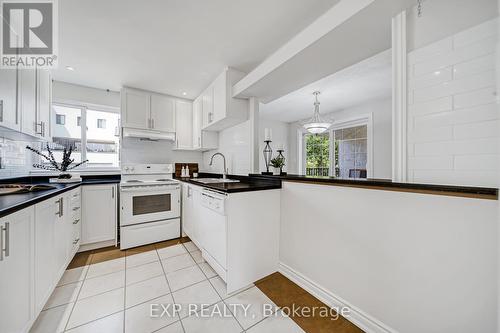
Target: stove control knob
126 168
132 169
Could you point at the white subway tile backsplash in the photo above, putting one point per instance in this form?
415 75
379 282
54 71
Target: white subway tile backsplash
475 66
456 177
477 162
431 163
487 129
473 98
477 33
459 116
430 134
438 105
431 79
463 147
459 86
454 119
478 49
430 51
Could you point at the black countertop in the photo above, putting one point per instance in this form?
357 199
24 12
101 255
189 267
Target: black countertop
245 184
387 184
13 202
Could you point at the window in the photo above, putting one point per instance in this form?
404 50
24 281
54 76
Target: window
60 119
351 152
317 148
101 123
86 132
344 151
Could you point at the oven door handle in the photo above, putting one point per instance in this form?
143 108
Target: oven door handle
148 190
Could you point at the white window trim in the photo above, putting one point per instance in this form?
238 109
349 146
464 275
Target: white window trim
83 108
361 120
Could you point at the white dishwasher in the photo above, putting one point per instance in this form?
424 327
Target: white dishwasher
214 230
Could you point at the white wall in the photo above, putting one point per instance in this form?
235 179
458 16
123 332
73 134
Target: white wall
382 115
414 262
279 137
453 111
234 143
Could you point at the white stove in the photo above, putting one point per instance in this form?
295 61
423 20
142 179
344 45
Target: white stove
150 204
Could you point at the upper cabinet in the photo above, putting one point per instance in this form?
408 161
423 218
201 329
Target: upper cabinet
9 112
25 101
162 113
220 109
184 124
202 140
147 111
135 108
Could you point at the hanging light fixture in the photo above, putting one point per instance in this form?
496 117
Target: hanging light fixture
316 125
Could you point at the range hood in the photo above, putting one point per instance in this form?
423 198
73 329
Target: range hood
147 134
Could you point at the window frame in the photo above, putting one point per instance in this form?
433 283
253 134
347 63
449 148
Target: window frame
62 117
361 120
83 114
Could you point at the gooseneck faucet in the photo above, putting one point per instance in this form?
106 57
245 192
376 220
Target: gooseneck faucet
224 173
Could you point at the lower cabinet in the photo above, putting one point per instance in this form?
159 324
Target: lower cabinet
99 206
16 274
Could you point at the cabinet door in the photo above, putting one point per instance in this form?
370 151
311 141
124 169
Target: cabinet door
208 106
98 213
184 124
163 113
135 108
28 101
9 116
45 262
197 122
220 95
44 96
16 280
187 210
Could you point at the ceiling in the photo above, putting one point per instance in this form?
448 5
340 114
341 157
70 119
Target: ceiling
172 46
367 80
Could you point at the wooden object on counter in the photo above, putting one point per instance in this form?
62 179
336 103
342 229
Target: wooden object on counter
193 167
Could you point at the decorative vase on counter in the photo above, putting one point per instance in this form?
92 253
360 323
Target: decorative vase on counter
276 171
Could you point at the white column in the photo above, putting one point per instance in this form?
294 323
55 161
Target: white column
253 116
399 123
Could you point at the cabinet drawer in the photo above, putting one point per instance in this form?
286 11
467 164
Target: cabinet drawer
147 233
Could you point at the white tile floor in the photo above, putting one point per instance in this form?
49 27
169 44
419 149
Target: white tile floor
117 296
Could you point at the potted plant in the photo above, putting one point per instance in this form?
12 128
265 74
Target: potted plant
63 167
277 163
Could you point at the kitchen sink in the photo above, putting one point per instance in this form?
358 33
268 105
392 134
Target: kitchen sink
215 180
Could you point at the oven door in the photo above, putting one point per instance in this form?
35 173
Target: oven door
141 204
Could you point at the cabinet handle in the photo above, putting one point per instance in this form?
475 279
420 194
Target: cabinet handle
199 141
76 208
41 128
152 123
76 240
76 221
5 230
60 210
113 192
1 110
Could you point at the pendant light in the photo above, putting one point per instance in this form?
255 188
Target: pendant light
316 125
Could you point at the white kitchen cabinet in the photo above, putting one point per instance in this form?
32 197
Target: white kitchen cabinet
135 109
28 101
75 220
237 233
44 104
207 99
220 109
202 140
183 124
162 113
46 215
9 113
99 215
16 274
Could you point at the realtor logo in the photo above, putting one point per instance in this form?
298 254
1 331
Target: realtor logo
29 34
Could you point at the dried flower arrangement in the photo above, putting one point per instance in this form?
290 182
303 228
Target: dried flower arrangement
63 167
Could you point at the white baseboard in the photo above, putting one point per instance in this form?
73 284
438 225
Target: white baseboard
357 316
